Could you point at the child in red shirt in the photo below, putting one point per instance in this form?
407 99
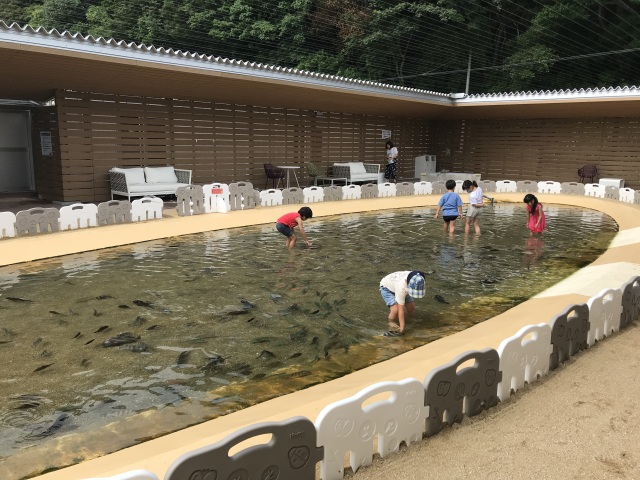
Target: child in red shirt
286 223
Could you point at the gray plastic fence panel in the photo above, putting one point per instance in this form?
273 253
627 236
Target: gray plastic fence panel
292 196
630 302
527 186
290 454
241 196
256 197
438 188
572 188
450 394
569 333
37 220
190 200
333 192
636 197
487 185
369 190
114 211
612 192
404 189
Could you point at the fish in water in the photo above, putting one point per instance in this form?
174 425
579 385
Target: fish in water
139 321
77 335
266 355
153 327
53 428
54 312
90 341
247 304
96 313
103 297
124 306
120 339
142 303
183 357
441 299
214 361
102 329
301 373
42 367
19 299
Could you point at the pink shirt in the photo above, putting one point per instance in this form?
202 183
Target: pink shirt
289 219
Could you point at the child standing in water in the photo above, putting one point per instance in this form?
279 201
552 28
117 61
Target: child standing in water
286 223
451 205
536 221
475 205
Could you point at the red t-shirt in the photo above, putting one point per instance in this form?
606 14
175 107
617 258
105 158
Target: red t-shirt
289 219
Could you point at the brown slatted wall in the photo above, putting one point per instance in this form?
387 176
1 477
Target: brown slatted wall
219 142
540 149
48 170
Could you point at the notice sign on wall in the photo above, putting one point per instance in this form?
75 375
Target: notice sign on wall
386 133
45 144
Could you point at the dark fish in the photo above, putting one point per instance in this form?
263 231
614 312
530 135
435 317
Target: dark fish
266 355
142 303
54 312
37 342
214 361
77 335
102 329
139 347
441 299
295 355
139 321
275 297
301 373
299 335
55 426
2 342
96 313
45 354
247 304
103 297
19 299
42 367
258 376
183 357
314 312
85 362
124 306
251 319
90 341
315 341
262 339
120 339
153 327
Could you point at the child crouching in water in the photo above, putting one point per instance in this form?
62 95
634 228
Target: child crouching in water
286 223
536 221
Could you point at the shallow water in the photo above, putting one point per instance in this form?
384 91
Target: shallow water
231 318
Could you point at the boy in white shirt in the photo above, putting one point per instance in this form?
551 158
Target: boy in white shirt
398 290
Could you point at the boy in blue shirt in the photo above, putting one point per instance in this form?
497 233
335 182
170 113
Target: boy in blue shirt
451 205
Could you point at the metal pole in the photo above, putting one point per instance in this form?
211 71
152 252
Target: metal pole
466 90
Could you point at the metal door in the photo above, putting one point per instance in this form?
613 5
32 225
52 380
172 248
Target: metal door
16 163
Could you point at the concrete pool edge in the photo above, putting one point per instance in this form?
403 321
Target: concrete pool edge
156 455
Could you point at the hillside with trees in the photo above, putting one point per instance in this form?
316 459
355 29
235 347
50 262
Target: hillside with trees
508 45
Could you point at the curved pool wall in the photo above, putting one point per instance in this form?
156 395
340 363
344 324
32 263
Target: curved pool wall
611 270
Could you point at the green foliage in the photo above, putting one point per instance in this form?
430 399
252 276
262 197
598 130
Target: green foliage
524 45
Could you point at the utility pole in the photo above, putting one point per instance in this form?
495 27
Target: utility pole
466 90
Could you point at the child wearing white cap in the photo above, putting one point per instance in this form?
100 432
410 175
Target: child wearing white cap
398 290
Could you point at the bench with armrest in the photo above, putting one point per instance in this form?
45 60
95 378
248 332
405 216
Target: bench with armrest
143 181
357 171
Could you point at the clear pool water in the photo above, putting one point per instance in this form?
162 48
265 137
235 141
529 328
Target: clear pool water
218 321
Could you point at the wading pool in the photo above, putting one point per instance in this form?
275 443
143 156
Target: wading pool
189 328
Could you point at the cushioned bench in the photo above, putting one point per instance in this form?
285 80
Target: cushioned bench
142 181
357 171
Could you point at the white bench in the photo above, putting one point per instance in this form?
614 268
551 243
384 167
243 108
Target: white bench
144 181
357 172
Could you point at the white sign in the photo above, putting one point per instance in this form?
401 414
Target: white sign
45 144
386 133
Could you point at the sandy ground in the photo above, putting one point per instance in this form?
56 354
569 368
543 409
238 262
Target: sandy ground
580 421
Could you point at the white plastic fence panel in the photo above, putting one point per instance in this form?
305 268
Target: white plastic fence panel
313 194
216 198
351 192
146 208
347 426
271 197
386 190
523 357
458 188
422 188
7 224
549 187
594 190
78 215
627 195
604 314
506 186
132 475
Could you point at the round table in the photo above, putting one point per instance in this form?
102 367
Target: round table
289 168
